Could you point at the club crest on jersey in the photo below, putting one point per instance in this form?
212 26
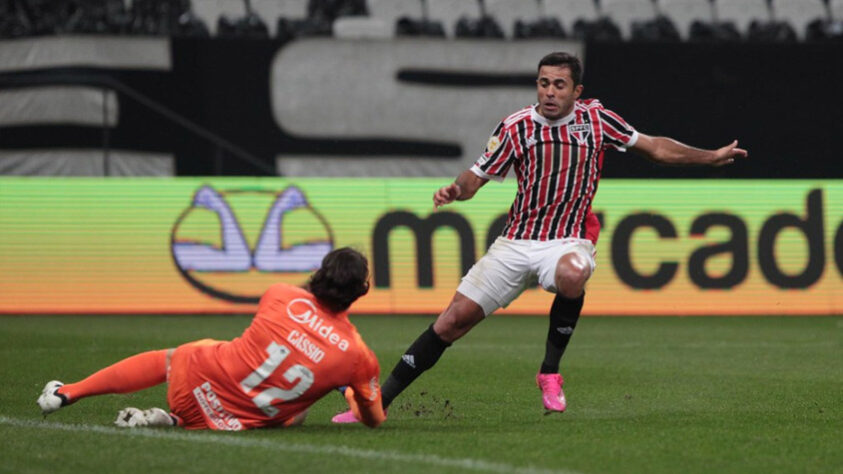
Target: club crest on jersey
580 131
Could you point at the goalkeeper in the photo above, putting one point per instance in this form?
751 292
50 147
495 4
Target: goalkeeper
299 346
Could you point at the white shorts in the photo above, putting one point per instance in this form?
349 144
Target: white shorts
511 266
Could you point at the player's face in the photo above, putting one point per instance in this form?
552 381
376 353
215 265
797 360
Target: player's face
556 92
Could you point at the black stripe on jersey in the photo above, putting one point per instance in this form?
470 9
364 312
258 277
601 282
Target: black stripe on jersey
555 174
560 210
555 166
526 177
570 178
617 127
537 166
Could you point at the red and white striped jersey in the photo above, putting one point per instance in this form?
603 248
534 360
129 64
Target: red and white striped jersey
558 165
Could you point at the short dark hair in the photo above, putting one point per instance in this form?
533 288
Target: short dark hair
342 278
562 59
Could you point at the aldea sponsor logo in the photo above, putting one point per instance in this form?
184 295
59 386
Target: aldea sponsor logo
304 312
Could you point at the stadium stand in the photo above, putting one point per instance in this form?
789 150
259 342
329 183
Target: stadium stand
248 26
596 20
390 11
625 12
742 13
508 12
570 11
774 29
685 12
358 27
271 10
449 12
836 7
799 13
486 26
658 29
211 12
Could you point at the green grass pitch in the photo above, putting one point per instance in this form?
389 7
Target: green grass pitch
645 395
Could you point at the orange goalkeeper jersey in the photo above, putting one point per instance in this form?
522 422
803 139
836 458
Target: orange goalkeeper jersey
294 352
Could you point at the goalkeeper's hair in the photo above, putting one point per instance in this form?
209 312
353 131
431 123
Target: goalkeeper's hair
343 277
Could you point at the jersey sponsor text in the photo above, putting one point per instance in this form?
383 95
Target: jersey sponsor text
306 346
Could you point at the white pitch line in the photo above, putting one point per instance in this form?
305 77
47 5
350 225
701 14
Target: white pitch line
229 440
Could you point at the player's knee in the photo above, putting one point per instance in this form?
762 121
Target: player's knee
460 316
572 272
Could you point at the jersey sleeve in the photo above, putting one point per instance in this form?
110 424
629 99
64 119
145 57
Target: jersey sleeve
617 133
365 381
498 157
364 394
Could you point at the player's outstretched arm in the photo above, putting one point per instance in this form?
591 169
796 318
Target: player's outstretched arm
368 411
463 188
668 151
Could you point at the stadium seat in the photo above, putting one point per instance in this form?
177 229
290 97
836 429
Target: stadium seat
248 26
210 11
659 29
742 12
450 11
545 27
776 31
799 13
569 11
483 27
407 26
272 10
624 12
357 27
837 10
601 30
685 12
390 11
715 32
507 12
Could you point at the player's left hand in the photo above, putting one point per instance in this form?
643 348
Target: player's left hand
727 154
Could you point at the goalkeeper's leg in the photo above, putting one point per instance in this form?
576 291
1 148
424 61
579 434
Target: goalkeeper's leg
134 373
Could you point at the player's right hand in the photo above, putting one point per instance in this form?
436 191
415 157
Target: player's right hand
446 195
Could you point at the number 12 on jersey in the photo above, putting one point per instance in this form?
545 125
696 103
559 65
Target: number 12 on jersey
277 353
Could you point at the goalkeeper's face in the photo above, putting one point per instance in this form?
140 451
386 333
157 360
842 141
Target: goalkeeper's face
556 92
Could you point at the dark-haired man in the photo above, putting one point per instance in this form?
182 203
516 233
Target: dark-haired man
299 346
555 147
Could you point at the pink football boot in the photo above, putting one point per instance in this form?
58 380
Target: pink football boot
552 395
345 417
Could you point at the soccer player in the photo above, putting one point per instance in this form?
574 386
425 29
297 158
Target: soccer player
555 147
299 346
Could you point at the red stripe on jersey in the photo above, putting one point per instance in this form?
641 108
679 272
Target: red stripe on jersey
591 180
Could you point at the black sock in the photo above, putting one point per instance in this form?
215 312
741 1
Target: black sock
563 319
420 356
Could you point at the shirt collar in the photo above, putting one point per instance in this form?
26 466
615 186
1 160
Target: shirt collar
537 117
